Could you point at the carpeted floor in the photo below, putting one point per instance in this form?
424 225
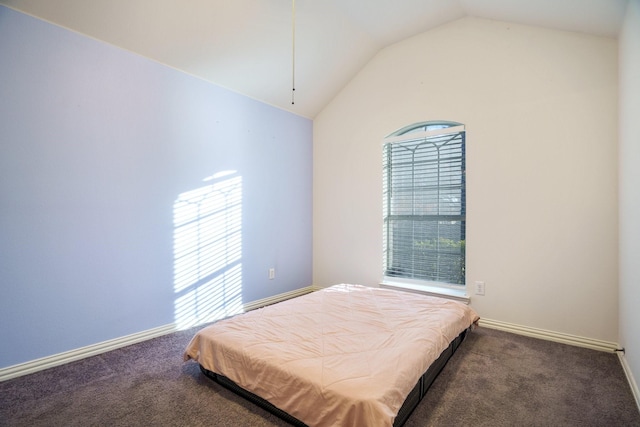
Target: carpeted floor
495 379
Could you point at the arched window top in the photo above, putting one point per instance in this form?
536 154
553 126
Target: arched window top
422 127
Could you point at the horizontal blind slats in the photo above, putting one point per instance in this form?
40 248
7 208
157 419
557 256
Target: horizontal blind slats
424 209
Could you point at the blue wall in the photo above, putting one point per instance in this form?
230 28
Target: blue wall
96 145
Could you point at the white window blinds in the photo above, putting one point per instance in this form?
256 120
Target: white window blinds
424 203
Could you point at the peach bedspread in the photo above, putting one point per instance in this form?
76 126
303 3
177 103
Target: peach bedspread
347 355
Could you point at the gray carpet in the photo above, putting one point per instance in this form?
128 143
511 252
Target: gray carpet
495 379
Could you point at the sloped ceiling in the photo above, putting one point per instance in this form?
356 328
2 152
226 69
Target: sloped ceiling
247 45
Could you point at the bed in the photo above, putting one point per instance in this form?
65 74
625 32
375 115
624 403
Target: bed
345 355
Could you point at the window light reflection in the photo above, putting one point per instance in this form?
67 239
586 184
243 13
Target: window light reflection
207 251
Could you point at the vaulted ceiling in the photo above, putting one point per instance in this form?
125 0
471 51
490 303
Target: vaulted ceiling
247 45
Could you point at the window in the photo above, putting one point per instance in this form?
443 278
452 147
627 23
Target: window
424 203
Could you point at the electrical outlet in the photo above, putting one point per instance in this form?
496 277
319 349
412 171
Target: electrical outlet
272 273
479 288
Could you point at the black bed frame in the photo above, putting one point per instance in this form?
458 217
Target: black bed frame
412 401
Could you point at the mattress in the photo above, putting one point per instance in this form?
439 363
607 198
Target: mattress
345 355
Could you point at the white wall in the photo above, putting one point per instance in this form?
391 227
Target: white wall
540 107
629 193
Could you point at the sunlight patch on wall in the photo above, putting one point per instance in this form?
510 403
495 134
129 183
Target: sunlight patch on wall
207 251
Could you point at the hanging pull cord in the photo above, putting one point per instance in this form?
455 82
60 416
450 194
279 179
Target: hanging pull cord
293 52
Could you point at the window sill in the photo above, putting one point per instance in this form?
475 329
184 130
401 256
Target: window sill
436 291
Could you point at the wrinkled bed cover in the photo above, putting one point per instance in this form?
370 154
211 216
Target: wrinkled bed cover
347 355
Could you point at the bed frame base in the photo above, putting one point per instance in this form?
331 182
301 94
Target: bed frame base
412 401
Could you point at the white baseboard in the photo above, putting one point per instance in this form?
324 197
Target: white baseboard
81 353
571 340
550 335
630 378
99 348
277 298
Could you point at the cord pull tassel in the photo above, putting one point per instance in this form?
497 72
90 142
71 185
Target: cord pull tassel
293 51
